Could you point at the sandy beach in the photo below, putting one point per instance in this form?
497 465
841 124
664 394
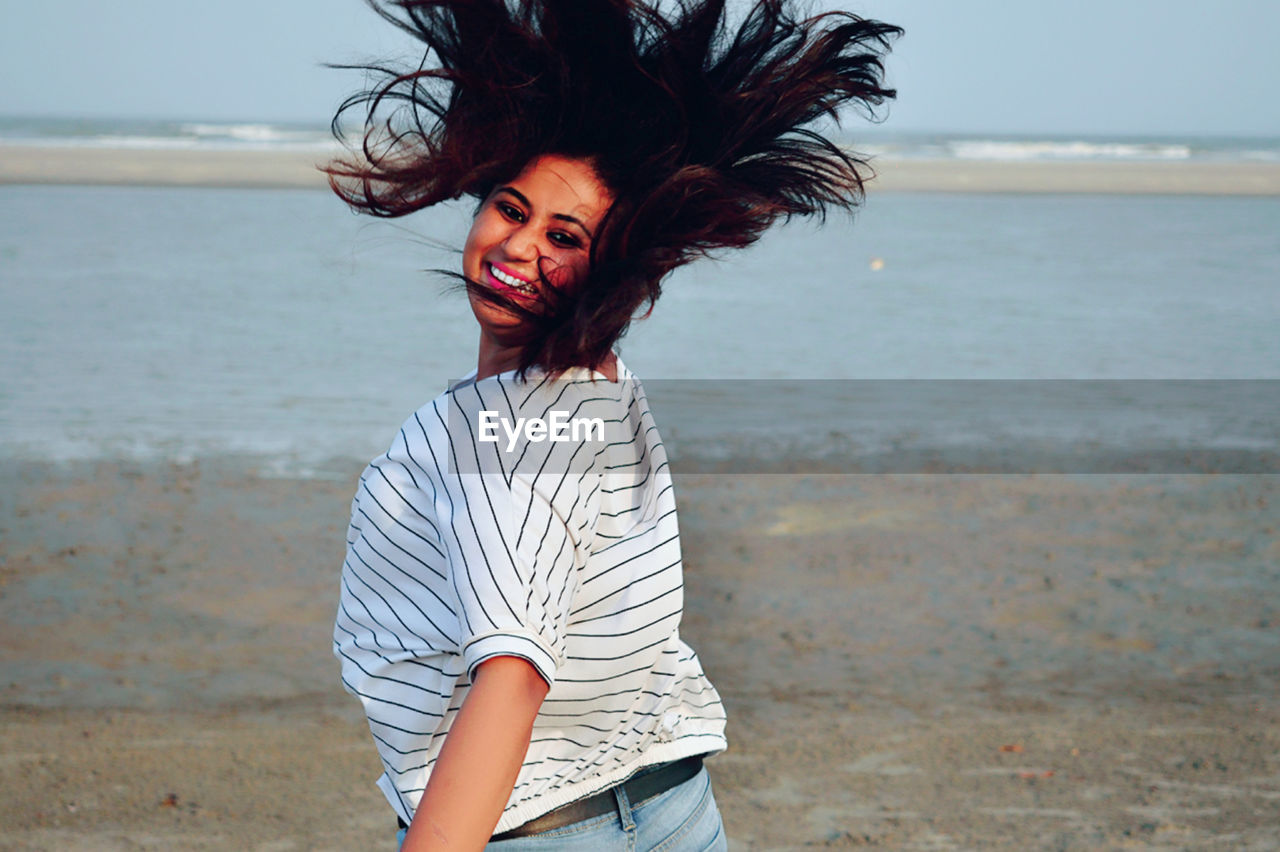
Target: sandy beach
909 662
21 164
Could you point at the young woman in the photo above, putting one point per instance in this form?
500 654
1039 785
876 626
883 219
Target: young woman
511 597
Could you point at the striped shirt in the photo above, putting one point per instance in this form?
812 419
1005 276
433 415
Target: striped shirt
563 552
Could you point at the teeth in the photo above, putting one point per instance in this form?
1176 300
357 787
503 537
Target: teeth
509 280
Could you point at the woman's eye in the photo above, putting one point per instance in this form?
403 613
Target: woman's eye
564 240
510 211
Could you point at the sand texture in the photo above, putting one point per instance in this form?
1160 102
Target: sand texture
909 662
21 164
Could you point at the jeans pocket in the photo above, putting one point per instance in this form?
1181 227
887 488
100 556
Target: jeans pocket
687 821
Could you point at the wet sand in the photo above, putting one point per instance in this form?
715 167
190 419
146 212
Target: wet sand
298 169
910 662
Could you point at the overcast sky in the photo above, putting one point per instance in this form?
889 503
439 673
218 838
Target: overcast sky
1103 67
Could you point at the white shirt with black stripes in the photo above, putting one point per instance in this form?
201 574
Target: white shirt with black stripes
563 552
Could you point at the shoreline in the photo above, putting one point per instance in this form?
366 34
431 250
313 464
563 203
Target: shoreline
92 166
716 458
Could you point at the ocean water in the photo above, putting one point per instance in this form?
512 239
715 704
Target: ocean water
141 134
876 140
174 323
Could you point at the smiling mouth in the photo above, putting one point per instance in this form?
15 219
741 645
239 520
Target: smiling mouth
510 282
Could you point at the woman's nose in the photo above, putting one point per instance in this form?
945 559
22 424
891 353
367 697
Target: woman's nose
522 244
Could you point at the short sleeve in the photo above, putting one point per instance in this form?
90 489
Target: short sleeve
521 516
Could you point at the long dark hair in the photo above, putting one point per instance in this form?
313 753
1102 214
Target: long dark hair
703 132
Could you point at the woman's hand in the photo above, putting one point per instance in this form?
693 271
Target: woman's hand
477 768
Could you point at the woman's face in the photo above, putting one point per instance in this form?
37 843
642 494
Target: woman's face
543 219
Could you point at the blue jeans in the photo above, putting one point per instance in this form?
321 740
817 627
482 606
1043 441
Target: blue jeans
683 819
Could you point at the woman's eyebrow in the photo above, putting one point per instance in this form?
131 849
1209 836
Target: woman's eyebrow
564 217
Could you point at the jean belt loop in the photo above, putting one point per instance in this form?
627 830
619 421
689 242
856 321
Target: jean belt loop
624 809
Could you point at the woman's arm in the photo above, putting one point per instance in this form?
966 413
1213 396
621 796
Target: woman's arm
477 768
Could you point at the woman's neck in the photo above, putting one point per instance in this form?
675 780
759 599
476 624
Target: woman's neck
495 358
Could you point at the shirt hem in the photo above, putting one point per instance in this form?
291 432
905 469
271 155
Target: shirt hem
688 746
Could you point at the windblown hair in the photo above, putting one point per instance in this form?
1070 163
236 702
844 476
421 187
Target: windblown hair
702 132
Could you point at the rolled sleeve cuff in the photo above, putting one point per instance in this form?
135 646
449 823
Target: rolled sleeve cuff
526 645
